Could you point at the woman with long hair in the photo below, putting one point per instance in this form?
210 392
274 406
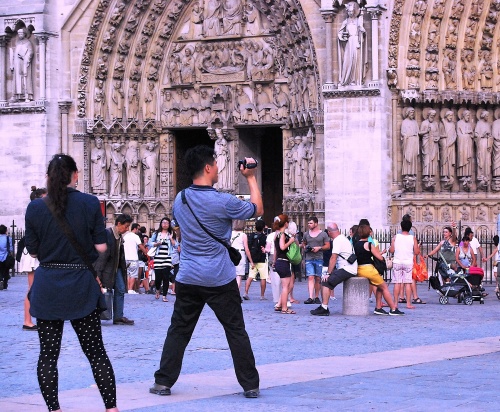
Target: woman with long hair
464 254
29 264
239 240
447 246
63 287
164 239
281 263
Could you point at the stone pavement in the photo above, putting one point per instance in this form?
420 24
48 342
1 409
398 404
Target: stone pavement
434 358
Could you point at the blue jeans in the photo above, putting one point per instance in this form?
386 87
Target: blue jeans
118 295
314 267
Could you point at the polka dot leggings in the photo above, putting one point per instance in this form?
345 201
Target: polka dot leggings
88 330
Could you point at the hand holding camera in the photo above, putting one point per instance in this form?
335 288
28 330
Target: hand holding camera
247 166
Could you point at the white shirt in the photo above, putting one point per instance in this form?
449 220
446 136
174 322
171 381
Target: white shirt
474 243
342 246
270 239
130 243
403 249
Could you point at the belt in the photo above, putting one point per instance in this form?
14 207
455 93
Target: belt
283 259
64 265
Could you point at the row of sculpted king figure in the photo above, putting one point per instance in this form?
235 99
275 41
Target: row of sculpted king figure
110 161
449 149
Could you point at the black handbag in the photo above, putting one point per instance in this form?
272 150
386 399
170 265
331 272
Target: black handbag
380 265
107 298
234 254
9 261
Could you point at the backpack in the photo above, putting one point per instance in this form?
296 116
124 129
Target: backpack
255 246
20 249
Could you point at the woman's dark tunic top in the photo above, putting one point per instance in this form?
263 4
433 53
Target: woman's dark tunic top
64 294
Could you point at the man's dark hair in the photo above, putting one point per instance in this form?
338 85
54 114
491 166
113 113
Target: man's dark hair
405 225
134 226
313 218
3 229
197 158
143 229
468 231
259 225
496 240
407 217
123 218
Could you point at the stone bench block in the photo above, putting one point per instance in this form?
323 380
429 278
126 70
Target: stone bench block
355 297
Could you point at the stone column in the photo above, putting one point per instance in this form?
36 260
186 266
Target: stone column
328 17
3 97
42 41
64 107
375 12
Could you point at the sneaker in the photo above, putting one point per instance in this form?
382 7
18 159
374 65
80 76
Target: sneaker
396 312
123 321
246 297
309 301
132 292
252 393
161 390
380 312
317 301
263 298
320 311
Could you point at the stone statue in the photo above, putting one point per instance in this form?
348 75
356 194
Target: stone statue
169 110
298 153
282 102
187 66
20 64
312 161
212 20
253 20
108 40
133 171
495 131
263 103
223 158
290 160
486 71
174 68
352 47
115 166
102 67
117 96
196 21
150 100
99 179
427 215
305 159
465 149
448 137
187 108
429 131
133 100
244 109
449 68
204 108
411 150
232 17
119 68
468 69
150 166
484 144
99 99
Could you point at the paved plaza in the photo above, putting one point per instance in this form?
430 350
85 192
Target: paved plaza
435 358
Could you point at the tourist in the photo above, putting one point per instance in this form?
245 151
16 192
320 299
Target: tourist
239 241
464 254
256 254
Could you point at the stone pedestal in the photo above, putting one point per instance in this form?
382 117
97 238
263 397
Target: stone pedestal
356 294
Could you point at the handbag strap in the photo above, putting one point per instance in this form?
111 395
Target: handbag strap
184 200
70 234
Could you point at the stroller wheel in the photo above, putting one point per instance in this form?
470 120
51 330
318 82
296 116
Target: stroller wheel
498 294
468 299
443 300
481 301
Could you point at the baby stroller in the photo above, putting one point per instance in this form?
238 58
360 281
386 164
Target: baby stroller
464 287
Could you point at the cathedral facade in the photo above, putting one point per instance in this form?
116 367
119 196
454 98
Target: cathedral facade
354 109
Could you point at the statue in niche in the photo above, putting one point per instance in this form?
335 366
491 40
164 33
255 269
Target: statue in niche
119 69
352 47
305 159
470 34
194 28
452 33
187 108
133 100
20 65
465 149
223 158
429 131
149 27
167 29
175 11
300 153
108 40
98 168
427 215
433 36
133 171
124 45
481 214
484 144
282 102
244 109
476 8
232 17
159 50
115 160
449 69
265 108
99 99
102 67
411 150
253 25
150 167
447 149
204 108
446 214
153 70
199 56
133 21
438 10
312 160
142 48
187 67
495 132
117 96
486 71
150 100
291 163
136 72
420 7
468 69
169 110
212 20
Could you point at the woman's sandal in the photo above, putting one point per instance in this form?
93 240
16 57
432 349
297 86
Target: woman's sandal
288 312
165 299
157 295
402 300
418 301
294 301
277 308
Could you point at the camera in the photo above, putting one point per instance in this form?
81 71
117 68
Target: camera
308 249
247 166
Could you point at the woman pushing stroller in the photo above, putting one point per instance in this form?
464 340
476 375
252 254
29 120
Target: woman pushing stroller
447 247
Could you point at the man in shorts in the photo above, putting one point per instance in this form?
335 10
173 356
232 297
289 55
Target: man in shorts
315 241
256 254
341 251
131 241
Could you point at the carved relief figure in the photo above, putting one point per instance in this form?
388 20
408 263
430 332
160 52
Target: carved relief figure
305 160
449 68
427 215
468 69
484 143
20 64
108 40
187 67
282 102
98 168
290 161
233 13
429 131
411 150
352 47
223 158
196 21
115 166
150 100
133 100
212 22
300 153
244 109
150 166
253 20
99 99
187 108
465 135
495 131
312 161
133 171
119 67
102 67
117 96
486 71
263 103
447 149
169 110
